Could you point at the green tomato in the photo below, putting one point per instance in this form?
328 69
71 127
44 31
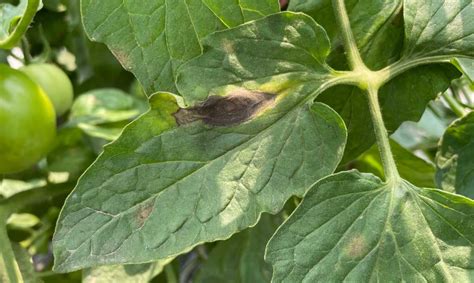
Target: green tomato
27 121
55 83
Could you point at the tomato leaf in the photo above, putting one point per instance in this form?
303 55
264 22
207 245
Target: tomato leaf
455 157
106 105
376 25
153 38
253 143
363 230
466 65
438 28
220 175
220 178
279 53
102 113
133 273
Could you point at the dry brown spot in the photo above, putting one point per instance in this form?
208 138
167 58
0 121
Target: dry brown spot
228 46
143 213
357 247
122 57
233 109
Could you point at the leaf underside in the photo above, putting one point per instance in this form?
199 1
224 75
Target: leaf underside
364 230
466 65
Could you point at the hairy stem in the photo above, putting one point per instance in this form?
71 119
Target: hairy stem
355 60
371 81
400 67
12 39
381 135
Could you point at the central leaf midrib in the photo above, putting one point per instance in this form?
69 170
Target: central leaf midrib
383 188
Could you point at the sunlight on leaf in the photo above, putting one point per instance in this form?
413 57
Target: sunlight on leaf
153 38
180 177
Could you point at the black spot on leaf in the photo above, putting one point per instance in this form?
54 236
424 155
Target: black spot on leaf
233 109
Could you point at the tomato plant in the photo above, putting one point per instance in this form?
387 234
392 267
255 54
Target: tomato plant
284 141
28 123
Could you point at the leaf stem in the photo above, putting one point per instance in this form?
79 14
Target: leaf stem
353 54
403 65
371 81
454 104
25 48
7 256
12 39
170 274
381 135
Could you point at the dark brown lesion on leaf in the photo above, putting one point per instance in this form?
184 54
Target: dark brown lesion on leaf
235 108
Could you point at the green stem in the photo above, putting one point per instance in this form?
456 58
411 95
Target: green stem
454 105
25 48
13 38
403 65
381 134
388 73
170 274
371 81
355 60
7 256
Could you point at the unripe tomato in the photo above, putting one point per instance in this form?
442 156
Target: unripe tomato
27 121
55 84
